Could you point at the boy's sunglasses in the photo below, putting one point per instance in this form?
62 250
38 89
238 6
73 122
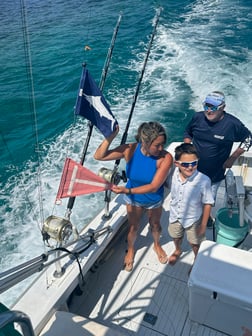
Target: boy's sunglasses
187 164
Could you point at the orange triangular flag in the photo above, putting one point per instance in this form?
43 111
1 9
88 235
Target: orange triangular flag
78 180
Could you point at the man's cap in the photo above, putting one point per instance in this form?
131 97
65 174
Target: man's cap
215 99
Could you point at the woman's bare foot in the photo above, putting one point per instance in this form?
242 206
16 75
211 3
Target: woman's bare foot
162 256
129 260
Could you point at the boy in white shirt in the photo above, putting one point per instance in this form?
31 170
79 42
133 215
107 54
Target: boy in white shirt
191 201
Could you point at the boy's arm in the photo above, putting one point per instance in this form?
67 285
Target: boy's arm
205 215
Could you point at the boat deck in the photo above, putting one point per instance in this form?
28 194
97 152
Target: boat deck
152 299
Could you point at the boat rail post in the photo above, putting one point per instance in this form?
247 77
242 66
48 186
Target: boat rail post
240 190
59 269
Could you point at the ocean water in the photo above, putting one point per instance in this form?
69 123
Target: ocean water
199 46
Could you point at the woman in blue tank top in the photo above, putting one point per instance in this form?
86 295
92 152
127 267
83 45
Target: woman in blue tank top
147 168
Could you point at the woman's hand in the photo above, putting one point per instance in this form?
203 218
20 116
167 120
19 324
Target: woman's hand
120 190
102 152
114 134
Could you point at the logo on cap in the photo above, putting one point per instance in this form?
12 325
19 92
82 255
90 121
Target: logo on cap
215 99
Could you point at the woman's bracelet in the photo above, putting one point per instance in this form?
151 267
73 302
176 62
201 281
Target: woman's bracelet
129 191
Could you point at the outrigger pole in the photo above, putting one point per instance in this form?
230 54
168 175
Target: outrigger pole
71 200
125 134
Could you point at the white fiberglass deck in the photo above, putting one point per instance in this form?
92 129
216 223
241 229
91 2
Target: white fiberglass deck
151 300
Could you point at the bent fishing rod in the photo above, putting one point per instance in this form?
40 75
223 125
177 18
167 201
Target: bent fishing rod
90 125
107 214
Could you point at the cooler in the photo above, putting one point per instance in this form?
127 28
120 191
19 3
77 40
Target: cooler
220 288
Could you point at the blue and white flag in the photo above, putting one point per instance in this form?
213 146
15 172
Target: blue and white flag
92 105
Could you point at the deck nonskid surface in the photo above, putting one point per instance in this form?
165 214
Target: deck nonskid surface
152 299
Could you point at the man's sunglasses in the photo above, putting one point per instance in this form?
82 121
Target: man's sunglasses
213 108
187 164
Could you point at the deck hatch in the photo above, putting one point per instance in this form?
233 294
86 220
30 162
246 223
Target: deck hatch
155 302
150 318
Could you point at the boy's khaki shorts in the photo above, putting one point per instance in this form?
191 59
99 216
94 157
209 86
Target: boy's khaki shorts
177 231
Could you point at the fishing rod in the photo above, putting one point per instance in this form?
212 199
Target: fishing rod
125 134
90 125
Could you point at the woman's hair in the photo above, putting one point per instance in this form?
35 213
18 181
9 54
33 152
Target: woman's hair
149 131
185 148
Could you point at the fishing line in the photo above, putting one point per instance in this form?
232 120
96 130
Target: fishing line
31 100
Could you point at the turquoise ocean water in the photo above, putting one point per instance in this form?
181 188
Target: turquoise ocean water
199 46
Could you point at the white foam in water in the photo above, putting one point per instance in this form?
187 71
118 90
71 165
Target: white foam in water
27 237
182 66
191 51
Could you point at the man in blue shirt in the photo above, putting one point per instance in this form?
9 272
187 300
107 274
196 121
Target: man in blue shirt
213 132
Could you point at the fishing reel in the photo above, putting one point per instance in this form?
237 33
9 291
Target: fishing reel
112 176
57 228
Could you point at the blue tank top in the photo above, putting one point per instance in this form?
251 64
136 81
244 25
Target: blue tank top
140 170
